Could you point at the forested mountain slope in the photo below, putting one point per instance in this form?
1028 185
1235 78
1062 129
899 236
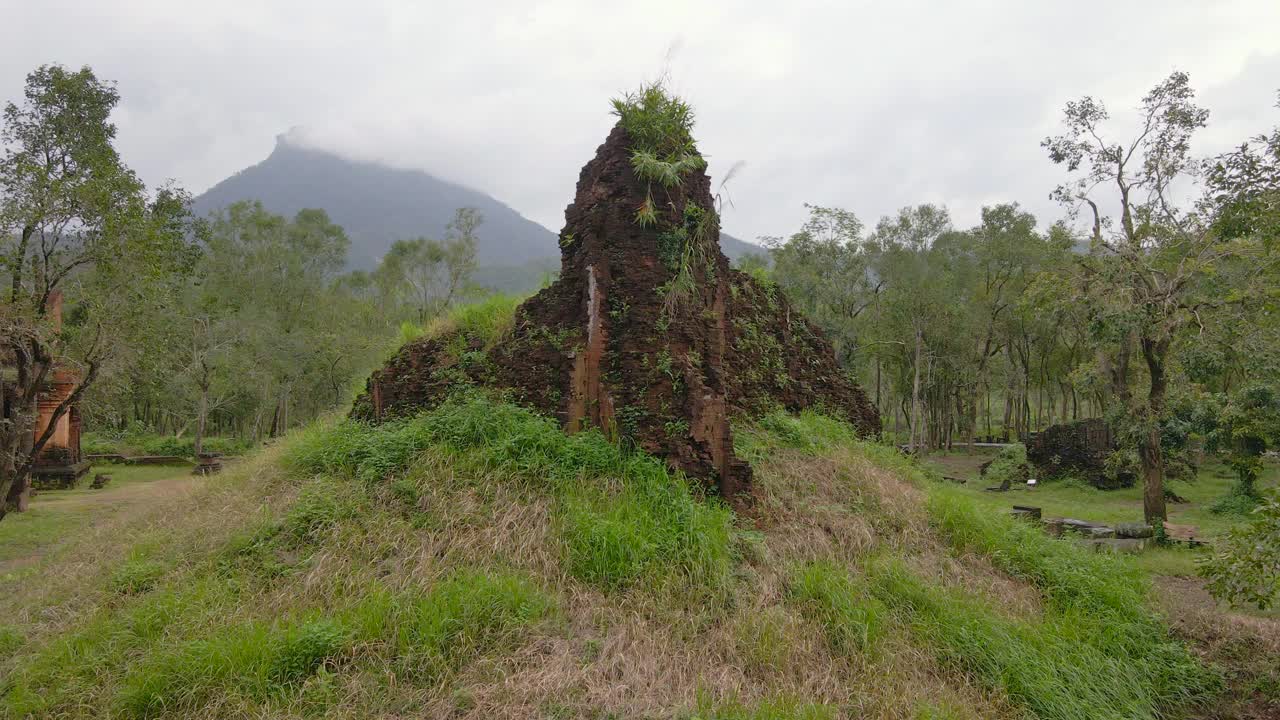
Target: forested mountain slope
377 205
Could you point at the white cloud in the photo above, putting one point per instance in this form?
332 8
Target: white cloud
869 106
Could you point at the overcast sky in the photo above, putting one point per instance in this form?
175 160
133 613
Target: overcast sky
867 106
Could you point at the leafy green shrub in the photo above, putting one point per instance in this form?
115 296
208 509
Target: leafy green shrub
647 522
92 443
138 442
168 445
224 445
1120 464
135 577
1239 500
1246 567
1009 465
850 619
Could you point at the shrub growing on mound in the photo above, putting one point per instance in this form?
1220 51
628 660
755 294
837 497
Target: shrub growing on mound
622 514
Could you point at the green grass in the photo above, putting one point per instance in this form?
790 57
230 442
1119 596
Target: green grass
1061 667
56 514
774 708
464 616
1067 498
73 665
809 431
622 516
850 619
1098 651
144 443
370 575
170 660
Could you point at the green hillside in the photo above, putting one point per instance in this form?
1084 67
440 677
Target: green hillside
475 562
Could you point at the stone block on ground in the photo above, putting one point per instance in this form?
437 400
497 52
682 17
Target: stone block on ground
1134 530
1026 512
1117 545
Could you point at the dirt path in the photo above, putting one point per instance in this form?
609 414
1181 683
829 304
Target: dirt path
56 517
133 496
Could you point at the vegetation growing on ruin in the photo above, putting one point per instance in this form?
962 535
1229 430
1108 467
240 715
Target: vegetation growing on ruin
660 126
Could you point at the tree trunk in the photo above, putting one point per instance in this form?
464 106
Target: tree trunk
202 415
15 465
1149 450
915 393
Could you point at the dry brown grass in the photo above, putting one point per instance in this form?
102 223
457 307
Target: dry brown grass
1246 645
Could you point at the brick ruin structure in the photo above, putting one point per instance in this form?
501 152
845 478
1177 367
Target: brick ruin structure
648 334
1079 449
60 463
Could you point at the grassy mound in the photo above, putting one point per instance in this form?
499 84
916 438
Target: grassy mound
474 561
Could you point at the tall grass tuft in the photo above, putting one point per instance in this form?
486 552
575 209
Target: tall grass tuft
428 636
1098 652
850 619
621 514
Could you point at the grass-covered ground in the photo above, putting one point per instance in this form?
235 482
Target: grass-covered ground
1065 498
476 562
57 516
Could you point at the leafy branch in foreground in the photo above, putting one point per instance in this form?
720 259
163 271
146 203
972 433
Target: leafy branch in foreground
1246 569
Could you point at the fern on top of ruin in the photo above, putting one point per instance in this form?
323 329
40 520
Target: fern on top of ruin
662 149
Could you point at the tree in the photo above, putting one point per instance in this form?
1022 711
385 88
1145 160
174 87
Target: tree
1143 273
275 279
825 269
434 273
69 209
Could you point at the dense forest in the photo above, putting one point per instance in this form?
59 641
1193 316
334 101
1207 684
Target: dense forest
1160 315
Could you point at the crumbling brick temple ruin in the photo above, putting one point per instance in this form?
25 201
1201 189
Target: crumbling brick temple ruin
1079 448
648 334
60 463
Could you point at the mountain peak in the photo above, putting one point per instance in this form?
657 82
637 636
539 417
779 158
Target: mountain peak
377 204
